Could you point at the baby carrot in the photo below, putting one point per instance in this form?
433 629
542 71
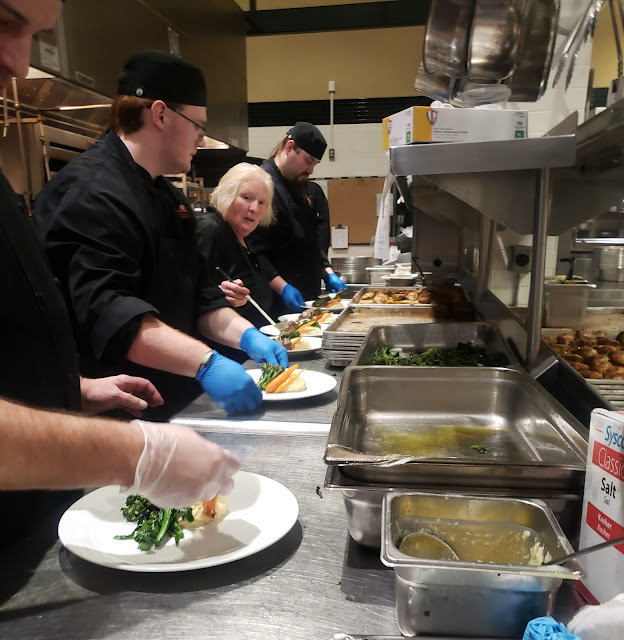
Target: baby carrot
290 379
272 386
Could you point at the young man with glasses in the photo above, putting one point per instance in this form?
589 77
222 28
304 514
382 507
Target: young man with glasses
121 240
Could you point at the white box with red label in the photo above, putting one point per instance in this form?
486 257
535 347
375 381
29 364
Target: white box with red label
603 506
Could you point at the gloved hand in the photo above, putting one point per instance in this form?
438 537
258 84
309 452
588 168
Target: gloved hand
229 385
547 628
292 298
600 622
262 349
334 283
178 467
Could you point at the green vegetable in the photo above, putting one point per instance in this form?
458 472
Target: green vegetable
269 372
153 523
464 355
479 447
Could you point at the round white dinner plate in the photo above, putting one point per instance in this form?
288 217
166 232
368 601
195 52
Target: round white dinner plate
337 307
315 342
271 330
261 512
291 317
317 384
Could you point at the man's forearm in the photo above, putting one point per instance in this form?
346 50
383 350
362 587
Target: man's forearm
277 284
224 325
49 450
159 346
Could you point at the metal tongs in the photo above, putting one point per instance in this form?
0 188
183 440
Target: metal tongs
583 28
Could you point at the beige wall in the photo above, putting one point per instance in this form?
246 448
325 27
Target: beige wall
604 56
371 63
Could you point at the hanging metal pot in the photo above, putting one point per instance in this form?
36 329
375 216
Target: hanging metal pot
535 54
446 38
495 39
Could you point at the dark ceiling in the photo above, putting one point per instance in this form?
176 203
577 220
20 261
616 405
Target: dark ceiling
368 15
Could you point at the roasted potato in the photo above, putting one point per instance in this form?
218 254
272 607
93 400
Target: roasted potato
617 357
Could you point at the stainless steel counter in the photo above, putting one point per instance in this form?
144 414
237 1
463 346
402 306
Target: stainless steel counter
311 584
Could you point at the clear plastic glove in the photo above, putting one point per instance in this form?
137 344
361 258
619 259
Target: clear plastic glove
262 349
334 283
228 385
292 298
600 622
178 467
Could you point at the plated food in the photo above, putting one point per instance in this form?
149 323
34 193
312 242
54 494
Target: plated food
317 384
317 314
261 511
276 379
332 302
593 354
155 525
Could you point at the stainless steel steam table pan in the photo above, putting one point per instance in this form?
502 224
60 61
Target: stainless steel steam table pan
492 599
363 500
415 338
453 426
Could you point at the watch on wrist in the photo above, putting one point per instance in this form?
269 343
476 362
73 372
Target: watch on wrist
205 361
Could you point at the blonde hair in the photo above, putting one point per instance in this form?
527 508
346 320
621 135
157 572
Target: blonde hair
226 191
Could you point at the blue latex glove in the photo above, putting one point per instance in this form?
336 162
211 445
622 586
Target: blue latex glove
229 385
333 283
292 298
262 349
547 628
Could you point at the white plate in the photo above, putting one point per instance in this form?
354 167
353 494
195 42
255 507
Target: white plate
270 330
318 383
337 307
291 317
261 512
316 342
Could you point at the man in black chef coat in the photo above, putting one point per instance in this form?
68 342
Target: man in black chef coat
43 449
121 240
289 250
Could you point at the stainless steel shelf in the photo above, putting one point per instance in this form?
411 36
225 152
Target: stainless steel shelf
477 157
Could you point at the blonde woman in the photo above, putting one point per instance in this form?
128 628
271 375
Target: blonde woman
240 203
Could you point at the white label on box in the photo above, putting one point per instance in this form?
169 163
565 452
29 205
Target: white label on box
49 55
603 505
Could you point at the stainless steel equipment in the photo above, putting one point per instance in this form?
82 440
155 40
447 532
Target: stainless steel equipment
610 263
363 501
494 39
529 80
565 305
352 269
413 338
447 597
445 48
460 426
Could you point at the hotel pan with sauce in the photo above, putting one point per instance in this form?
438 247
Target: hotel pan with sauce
446 597
428 425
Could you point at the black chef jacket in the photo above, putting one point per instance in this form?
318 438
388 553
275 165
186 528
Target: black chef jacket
290 247
220 248
122 245
321 206
38 363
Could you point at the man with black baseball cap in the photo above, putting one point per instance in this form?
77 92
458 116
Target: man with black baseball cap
289 250
121 240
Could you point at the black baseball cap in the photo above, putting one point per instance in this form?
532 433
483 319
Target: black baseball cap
159 75
309 138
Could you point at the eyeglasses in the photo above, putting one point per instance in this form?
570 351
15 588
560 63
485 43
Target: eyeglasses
201 129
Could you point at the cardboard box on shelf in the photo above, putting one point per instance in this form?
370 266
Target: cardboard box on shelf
424 124
603 507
